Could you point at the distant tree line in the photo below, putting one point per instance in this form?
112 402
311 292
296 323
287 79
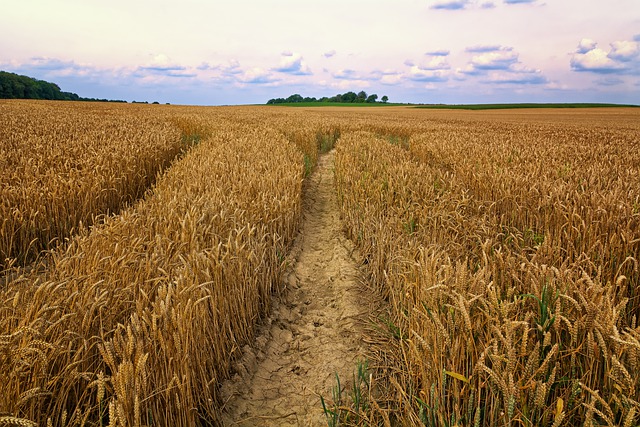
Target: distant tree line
15 86
348 97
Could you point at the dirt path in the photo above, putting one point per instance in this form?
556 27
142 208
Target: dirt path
313 332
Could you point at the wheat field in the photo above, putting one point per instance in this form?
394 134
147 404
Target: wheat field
503 247
64 166
508 253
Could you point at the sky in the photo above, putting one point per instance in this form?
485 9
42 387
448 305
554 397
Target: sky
216 52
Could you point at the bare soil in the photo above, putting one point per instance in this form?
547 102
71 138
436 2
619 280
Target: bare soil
315 329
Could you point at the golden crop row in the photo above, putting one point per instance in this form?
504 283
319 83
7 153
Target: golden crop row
508 252
64 164
138 319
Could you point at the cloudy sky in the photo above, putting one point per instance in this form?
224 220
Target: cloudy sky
213 52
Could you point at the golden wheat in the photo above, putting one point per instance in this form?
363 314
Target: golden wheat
506 246
528 231
136 320
64 164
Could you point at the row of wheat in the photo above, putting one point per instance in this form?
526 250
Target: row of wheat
137 320
64 164
508 254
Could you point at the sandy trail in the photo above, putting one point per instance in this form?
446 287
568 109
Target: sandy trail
314 330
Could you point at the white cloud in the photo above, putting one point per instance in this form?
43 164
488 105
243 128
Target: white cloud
424 75
436 63
451 5
624 50
623 57
292 63
391 79
487 48
517 77
586 45
596 60
347 74
433 70
441 52
51 64
257 75
162 65
386 72
229 68
500 60
162 62
387 77
468 70
344 85
329 54
53 68
472 4
498 65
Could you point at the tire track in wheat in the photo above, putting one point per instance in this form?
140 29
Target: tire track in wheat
314 329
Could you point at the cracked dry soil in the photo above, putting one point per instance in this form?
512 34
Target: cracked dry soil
315 329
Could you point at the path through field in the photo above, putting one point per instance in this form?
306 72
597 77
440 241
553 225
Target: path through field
313 331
